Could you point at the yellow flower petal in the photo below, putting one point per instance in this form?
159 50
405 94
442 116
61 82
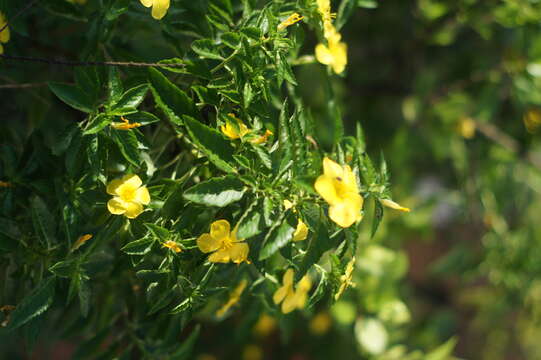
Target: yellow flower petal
1 49
331 168
339 53
391 204
287 280
305 284
147 3
113 186
170 244
159 9
239 252
290 303
220 229
133 210
4 35
132 180
301 232
323 54
346 212
325 187
206 243
220 256
116 206
288 204
280 294
142 195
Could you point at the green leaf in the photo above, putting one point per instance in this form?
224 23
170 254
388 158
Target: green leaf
97 124
320 290
344 12
231 39
138 247
158 231
129 101
319 244
143 118
367 4
206 48
114 85
44 224
251 223
216 192
72 95
442 352
128 145
64 268
378 215
212 143
278 237
87 78
284 69
185 350
170 99
34 304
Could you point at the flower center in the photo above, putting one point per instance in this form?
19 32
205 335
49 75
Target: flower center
126 193
227 244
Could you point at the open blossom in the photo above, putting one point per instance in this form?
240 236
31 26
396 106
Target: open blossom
129 196
4 35
223 244
346 279
290 297
234 298
334 53
234 131
391 204
301 232
338 187
159 7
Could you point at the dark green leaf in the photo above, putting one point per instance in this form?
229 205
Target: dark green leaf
277 238
216 192
251 223
207 49
129 101
212 143
127 144
97 124
33 304
44 224
158 231
378 215
72 95
138 247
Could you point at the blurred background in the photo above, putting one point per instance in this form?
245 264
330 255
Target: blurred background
450 93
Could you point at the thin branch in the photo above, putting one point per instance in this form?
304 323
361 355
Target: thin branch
86 63
22 86
19 13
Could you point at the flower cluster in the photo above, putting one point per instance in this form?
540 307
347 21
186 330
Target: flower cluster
290 297
335 52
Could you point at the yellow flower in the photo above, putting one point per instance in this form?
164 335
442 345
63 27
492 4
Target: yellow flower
223 244
320 323
290 298
292 19
345 280
262 138
234 131
334 53
301 232
265 325
532 120
466 127
4 35
159 7
287 204
338 187
234 298
80 241
391 204
173 246
125 124
129 198
324 8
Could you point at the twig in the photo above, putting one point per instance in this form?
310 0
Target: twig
86 63
22 86
19 13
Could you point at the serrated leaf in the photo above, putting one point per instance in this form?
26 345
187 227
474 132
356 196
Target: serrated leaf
212 143
72 95
114 85
97 124
129 101
34 304
378 215
251 223
170 99
278 237
44 224
207 49
64 268
231 39
216 192
143 118
138 247
158 231
128 145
